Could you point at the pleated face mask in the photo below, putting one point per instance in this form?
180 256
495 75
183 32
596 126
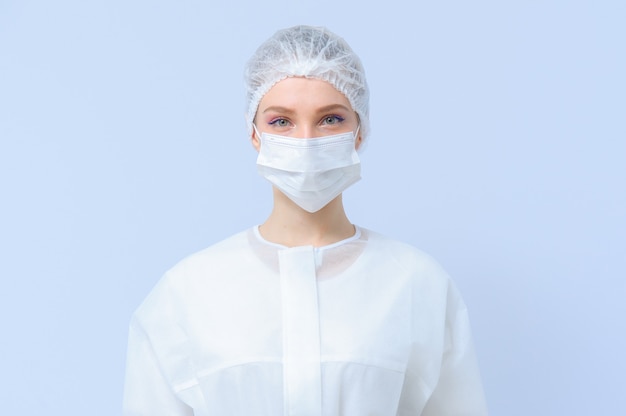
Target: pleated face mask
310 172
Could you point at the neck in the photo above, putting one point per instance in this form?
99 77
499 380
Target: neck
291 226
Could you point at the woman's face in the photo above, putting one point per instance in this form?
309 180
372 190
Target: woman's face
304 108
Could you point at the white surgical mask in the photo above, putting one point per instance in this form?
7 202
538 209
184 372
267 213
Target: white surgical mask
310 172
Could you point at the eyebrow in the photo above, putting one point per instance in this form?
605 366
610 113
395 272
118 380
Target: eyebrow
324 109
333 107
278 109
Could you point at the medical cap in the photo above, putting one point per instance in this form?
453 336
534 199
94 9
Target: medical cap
312 52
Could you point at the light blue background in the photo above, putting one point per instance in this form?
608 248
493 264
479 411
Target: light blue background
498 146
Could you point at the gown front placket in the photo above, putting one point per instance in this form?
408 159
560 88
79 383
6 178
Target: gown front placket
302 381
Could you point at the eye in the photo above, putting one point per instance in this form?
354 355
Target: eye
280 122
330 120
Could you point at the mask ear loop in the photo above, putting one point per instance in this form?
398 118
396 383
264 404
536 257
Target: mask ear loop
357 144
257 132
358 128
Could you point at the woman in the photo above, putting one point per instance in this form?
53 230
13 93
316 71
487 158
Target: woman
306 314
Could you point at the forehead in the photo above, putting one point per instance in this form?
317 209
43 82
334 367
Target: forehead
303 94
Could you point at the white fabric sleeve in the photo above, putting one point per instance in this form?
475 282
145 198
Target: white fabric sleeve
146 391
459 390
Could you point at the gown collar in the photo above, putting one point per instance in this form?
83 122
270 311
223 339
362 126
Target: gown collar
356 236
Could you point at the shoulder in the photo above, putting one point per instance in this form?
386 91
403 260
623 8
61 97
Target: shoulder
405 255
437 302
218 252
200 270
429 281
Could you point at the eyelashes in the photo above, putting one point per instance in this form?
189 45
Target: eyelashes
329 120
279 122
333 119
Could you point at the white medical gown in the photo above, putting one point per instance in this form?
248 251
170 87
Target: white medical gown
364 327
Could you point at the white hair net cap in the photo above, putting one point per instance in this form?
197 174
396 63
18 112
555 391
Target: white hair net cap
312 52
